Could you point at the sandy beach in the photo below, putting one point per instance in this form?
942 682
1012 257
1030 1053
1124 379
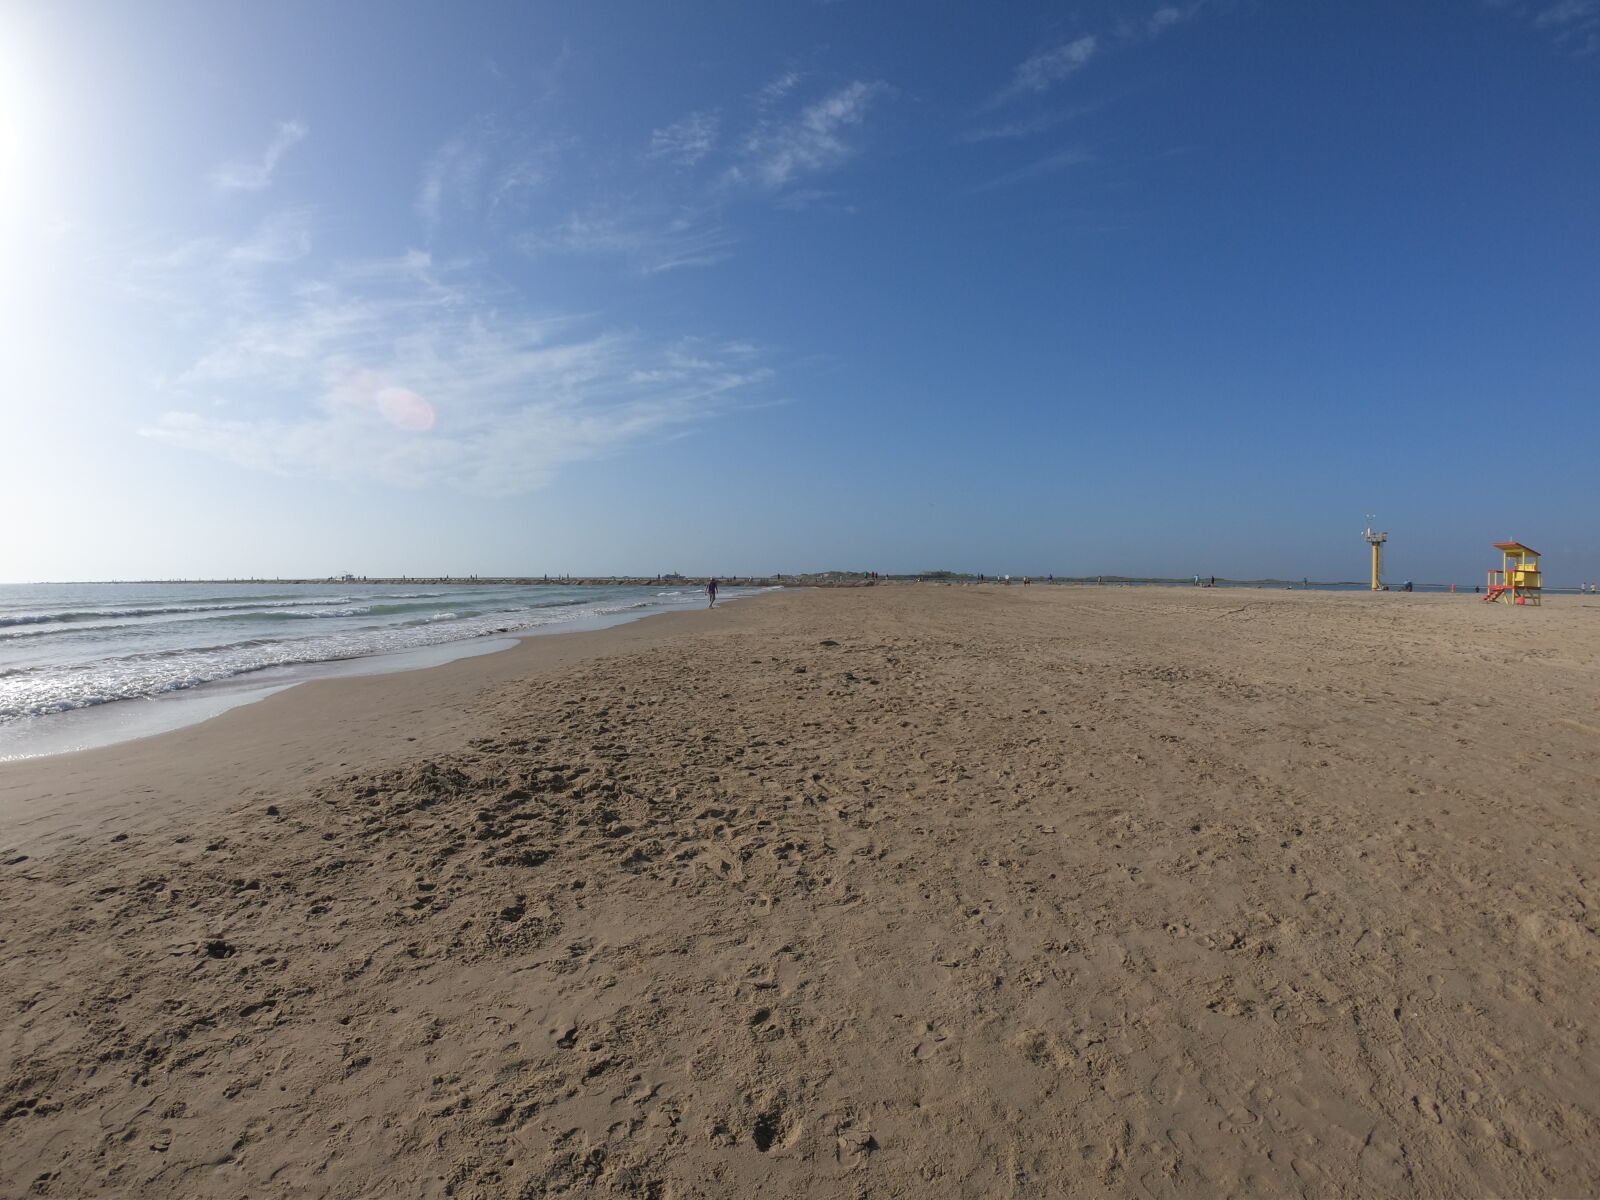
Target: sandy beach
892 892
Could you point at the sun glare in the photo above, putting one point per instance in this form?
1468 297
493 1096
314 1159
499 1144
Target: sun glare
10 134
20 140
12 126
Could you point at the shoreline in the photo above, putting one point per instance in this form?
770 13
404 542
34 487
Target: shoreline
311 719
818 579
112 722
435 581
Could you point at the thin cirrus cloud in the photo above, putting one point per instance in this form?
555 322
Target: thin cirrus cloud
1039 168
1164 18
482 170
414 372
1027 126
1158 22
415 375
255 174
1574 25
281 238
775 154
1565 13
195 278
652 241
1040 72
686 142
778 152
776 88
451 177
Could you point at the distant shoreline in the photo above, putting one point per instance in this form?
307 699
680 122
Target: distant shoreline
807 579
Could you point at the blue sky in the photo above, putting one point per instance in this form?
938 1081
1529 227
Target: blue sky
747 287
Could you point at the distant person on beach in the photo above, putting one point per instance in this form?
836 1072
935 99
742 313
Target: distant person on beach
711 593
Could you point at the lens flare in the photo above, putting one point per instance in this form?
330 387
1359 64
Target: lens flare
406 410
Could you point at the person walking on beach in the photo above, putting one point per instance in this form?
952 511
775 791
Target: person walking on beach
711 592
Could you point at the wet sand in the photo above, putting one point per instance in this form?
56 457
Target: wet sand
902 891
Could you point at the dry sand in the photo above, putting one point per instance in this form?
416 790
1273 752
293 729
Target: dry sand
900 892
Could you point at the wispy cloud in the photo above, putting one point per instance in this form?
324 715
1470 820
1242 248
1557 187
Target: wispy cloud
1164 18
1040 73
281 238
255 174
1573 25
1168 16
800 199
776 153
1050 164
1566 13
195 278
551 76
452 175
1036 75
652 241
1027 126
414 375
484 171
685 143
777 88
517 181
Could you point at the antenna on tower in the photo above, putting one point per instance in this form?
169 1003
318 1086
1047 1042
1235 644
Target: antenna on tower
1375 539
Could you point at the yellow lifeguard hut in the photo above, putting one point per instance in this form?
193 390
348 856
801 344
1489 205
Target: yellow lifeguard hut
1518 580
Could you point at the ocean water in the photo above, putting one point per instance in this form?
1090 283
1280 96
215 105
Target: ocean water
66 648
